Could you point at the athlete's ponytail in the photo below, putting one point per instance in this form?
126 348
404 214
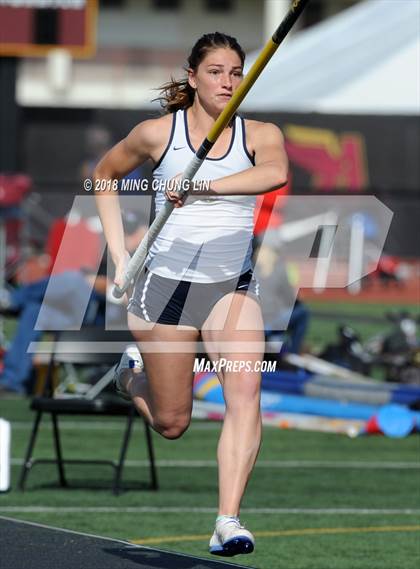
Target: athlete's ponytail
176 95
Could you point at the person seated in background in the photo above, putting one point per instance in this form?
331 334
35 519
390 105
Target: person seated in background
66 292
279 297
60 309
272 275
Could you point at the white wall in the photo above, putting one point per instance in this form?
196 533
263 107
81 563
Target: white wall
141 26
120 83
117 84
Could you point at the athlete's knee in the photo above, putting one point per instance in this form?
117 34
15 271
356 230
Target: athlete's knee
170 425
246 391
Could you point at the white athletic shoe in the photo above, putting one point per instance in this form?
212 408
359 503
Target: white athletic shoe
130 360
230 538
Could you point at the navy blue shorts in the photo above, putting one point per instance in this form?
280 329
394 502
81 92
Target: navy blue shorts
169 301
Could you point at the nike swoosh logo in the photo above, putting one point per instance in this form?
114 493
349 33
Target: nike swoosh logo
178 147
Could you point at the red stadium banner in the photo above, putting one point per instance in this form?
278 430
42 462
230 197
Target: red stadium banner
32 28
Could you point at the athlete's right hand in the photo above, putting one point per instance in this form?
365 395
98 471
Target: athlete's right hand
174 196
120 270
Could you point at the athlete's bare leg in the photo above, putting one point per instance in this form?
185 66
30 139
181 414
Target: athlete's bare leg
165 397
240 438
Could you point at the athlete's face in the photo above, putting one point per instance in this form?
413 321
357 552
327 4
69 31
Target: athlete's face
217 77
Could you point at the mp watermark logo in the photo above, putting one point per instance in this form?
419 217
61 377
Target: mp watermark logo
325 241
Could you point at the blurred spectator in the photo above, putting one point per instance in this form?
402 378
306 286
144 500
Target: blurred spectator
98 142
67 291
278 297
387 272
268 212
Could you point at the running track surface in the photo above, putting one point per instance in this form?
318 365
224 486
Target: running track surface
26 545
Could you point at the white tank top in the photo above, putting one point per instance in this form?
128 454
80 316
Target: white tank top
208 239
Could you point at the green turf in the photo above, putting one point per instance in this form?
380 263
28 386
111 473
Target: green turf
9 326
362 308
322 331
374 541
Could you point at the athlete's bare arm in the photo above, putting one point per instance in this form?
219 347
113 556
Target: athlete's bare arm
266 142
146 141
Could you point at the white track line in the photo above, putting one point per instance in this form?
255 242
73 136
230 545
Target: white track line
307 464
202 510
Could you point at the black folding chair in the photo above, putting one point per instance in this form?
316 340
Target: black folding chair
85 347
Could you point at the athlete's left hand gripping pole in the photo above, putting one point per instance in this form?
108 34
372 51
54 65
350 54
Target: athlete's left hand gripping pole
137 261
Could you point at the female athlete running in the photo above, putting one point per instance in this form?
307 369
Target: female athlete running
198 283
